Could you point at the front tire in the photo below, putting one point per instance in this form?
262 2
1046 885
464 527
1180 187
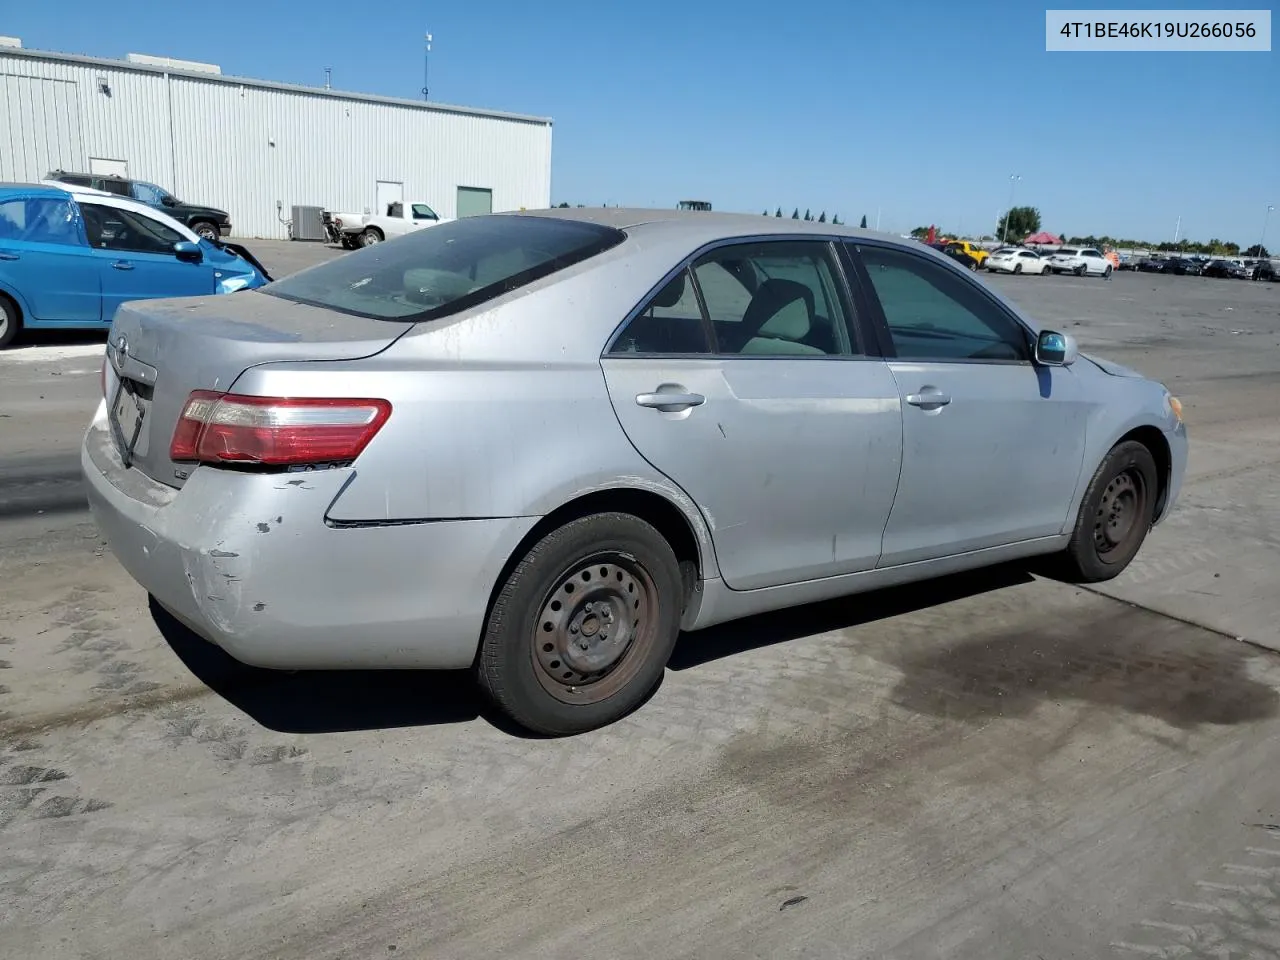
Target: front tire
582 628
1106 274
10 321
1117 511
1017 268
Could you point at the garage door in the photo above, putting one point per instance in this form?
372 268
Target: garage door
39 127
474 201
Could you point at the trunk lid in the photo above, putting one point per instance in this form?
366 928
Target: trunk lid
171 347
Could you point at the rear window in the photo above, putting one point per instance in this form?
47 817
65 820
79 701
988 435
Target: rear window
445 269
1068 252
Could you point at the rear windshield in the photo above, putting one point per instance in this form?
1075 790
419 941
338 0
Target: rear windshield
1068 251
447 268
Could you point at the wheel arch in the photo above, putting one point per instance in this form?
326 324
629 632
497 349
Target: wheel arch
1153 438
693 552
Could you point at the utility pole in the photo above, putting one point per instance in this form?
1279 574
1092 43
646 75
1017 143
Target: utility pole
1177 230
1263 239
1013 183
426 68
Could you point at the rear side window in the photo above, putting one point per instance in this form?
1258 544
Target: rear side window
447 268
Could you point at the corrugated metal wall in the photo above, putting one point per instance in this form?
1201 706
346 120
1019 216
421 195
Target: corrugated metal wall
243 148
39 125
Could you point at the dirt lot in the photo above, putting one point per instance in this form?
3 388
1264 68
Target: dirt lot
995 765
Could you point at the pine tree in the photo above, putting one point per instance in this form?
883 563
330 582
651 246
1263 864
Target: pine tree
836 220
779 212
807 215
863 224
764 213
795 214
822 217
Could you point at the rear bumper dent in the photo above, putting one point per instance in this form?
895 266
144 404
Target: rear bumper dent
248 562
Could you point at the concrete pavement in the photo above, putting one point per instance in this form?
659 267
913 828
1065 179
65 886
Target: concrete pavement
994 765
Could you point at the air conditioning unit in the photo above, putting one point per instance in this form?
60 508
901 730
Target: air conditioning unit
308 223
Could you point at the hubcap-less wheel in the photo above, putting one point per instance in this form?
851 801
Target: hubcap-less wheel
594 629
1120 510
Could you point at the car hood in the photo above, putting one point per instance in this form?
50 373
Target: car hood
199 209
1115 369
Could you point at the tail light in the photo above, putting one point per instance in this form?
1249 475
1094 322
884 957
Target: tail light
275 431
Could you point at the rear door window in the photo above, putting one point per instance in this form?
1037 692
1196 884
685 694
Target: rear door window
40 220
447 269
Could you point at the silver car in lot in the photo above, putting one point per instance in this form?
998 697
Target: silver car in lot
537 446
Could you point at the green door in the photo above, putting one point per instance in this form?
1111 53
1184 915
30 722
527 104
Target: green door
474 202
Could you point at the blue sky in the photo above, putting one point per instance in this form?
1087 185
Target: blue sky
921 109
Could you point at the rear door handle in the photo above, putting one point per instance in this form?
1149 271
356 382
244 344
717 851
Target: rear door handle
123 265
6 255
670 402
928 400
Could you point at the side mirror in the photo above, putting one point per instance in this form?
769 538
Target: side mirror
1055 349
188 252
169 201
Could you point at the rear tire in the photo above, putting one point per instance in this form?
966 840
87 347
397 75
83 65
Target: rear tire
10 321
1106 274
205 230
1017 268
581 630
370 237
1117 511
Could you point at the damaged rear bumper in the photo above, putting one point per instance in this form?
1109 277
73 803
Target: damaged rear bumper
248 562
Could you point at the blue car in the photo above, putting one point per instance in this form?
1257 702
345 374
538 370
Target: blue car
69 256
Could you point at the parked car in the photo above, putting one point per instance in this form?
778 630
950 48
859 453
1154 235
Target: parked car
366 229
207 222
539 445
1223 269
1152 265
1265 270
969 250
1082 261
959 256
1017 260
70 256
1182 267
1128 262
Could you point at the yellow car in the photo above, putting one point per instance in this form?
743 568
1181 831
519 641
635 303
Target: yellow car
967 248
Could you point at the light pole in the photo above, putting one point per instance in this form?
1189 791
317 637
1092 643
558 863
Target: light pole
1013 183
1263 239
426 66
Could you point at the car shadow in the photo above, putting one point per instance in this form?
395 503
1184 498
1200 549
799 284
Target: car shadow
336 701
780 626
59 338
326 701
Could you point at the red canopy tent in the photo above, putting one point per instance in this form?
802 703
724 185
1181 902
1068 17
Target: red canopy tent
1043 239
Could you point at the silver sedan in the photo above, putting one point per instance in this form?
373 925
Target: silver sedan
537 446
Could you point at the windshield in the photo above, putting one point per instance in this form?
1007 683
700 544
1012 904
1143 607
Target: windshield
447 268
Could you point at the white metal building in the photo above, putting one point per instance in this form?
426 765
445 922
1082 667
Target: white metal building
255 148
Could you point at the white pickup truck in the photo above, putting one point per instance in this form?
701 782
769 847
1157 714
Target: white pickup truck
366 229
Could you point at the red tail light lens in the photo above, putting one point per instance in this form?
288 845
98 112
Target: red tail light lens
275 431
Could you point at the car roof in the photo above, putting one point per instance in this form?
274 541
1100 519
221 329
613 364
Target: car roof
43 189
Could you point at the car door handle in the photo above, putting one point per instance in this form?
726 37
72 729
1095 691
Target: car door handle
670 402
6 255
123 265
928 400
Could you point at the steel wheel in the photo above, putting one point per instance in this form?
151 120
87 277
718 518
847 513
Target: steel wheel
581 628
1115 514
206 230
595 626
1120 512
370 237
